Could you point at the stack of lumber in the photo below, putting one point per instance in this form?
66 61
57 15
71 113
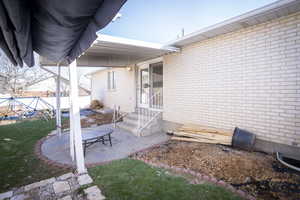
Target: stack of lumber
197 133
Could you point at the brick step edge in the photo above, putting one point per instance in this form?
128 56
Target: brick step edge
45 160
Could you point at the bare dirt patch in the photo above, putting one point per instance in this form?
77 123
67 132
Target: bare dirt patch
257 173
95 119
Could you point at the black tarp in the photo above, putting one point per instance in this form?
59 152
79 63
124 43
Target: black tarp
59 30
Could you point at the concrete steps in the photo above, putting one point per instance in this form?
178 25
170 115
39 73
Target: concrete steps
130 123
130 127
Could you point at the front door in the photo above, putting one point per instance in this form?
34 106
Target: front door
151 86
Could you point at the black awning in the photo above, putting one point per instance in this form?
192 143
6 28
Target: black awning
59 30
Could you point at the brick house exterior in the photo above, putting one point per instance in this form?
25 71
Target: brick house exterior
247 78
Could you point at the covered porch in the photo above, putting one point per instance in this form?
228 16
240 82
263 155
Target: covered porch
111 53
142 59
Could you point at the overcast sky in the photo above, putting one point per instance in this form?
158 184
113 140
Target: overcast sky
162 20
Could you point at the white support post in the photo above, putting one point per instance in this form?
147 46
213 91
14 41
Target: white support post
114 116
75 112
72 147
71 122
58 111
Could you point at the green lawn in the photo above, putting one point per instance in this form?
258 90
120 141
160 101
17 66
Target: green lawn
123 179
18 164
135 180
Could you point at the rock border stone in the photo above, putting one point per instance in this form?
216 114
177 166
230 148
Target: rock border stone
6 195
93 193
200 178
84 179
63 187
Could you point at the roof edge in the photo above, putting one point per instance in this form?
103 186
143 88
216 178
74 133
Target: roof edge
250 14
136 43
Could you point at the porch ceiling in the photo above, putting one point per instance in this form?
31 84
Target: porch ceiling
109 51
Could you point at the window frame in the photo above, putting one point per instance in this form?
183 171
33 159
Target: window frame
111 80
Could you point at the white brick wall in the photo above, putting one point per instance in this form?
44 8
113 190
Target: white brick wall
123 95
249 78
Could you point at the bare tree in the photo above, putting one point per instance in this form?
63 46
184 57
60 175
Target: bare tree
16 79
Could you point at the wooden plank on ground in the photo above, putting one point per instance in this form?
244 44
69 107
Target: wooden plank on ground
197 140
210 136
200 128
205 134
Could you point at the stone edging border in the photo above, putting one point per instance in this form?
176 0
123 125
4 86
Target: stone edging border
200 177
38 153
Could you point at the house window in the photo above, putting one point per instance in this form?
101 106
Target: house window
111 80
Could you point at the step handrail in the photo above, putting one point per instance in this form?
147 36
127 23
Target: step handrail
148 122
117 115
149 116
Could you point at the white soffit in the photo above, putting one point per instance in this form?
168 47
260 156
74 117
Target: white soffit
112 46
257 16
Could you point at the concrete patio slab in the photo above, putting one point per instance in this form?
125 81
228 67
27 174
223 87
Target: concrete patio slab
123 144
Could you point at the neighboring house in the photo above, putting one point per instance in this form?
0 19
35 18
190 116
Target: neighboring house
243 72
83 81
47 88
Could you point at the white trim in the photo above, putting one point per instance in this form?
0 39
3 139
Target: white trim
111 80
95 72
151 61
130 42
141 105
